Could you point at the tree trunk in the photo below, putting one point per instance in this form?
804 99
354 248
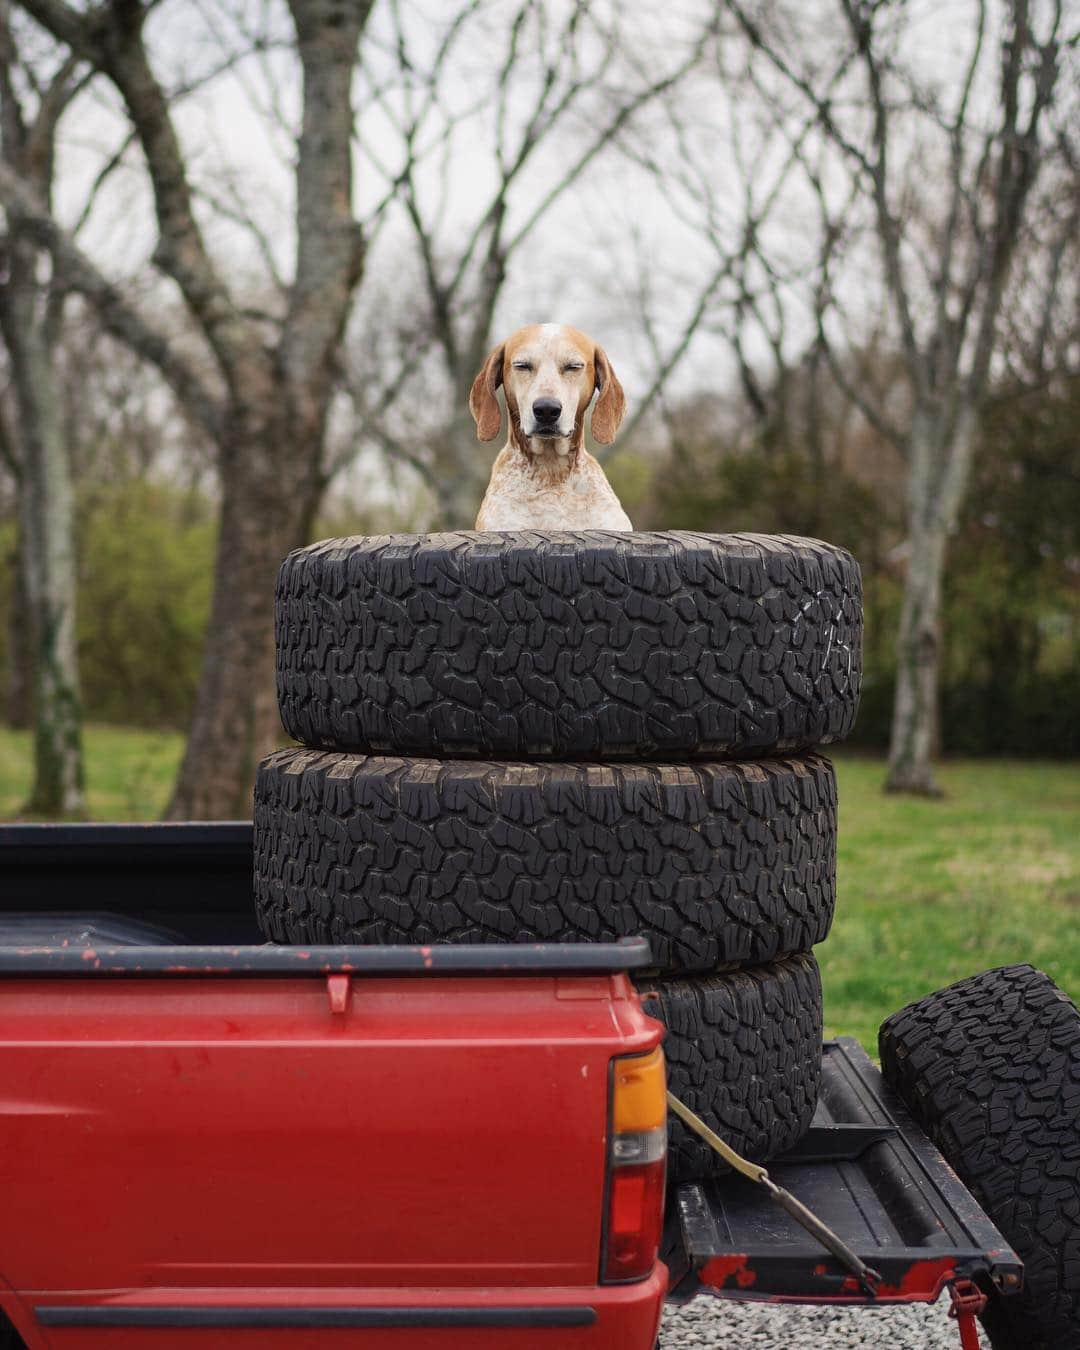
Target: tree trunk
459 496
462 469
266 503
20 656
918 649
268 425
46 503
939 468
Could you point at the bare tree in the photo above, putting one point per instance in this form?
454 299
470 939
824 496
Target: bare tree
30 316
555 90
945 171
1041 339
725 168
262 397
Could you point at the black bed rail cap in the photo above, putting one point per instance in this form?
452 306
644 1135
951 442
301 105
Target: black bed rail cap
65 842
547 958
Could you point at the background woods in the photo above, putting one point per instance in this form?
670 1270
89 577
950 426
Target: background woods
253 253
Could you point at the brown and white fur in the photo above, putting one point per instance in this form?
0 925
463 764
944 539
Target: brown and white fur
544 478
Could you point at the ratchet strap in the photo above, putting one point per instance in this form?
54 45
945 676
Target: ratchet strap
869 1279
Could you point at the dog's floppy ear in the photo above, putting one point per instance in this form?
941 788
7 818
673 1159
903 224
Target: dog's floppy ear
483 404
610 406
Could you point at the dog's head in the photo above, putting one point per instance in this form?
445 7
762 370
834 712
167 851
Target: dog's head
549 374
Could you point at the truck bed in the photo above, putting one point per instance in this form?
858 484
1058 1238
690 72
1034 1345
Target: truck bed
191 881
204 1131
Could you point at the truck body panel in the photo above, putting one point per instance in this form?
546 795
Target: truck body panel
275 1146
339 1145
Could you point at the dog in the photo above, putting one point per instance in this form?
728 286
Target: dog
544 478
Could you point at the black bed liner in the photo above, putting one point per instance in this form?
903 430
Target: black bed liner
874 1177
194 879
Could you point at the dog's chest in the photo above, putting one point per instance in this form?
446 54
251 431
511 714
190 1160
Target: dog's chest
524 500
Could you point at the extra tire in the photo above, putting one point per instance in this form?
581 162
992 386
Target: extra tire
743 1051
991 1069
585 645
714 863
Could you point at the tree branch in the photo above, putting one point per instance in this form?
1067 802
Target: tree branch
111 38
329 249
117 315
76 30
610 131
674 357
1019 163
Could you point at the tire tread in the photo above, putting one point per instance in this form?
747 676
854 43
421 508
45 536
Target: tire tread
991 1068
716 863
743 1051
588 645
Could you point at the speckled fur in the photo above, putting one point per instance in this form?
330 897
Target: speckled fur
543 494
552 482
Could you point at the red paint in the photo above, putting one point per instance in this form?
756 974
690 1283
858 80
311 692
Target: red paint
968 1300
969 1331
337 989
235 1141
721 1269
922 1283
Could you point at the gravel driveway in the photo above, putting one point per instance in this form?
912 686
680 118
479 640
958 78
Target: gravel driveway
748 1326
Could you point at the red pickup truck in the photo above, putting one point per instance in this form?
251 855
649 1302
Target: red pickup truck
205 1141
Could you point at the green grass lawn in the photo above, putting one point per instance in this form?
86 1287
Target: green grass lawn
129 773
930 891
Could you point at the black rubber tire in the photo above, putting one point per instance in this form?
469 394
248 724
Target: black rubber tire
714 863
991 1069
575 645
743 1051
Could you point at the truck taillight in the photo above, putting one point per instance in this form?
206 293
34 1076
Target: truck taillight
637 1163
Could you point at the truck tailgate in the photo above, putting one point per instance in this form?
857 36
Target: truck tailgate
193 1147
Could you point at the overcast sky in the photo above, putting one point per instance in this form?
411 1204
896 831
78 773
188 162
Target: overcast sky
580 266
614 233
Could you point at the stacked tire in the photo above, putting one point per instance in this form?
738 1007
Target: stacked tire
568 737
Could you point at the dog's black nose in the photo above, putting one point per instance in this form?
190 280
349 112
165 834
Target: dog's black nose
546 411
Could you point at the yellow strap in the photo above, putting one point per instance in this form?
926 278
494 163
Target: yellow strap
695 1123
